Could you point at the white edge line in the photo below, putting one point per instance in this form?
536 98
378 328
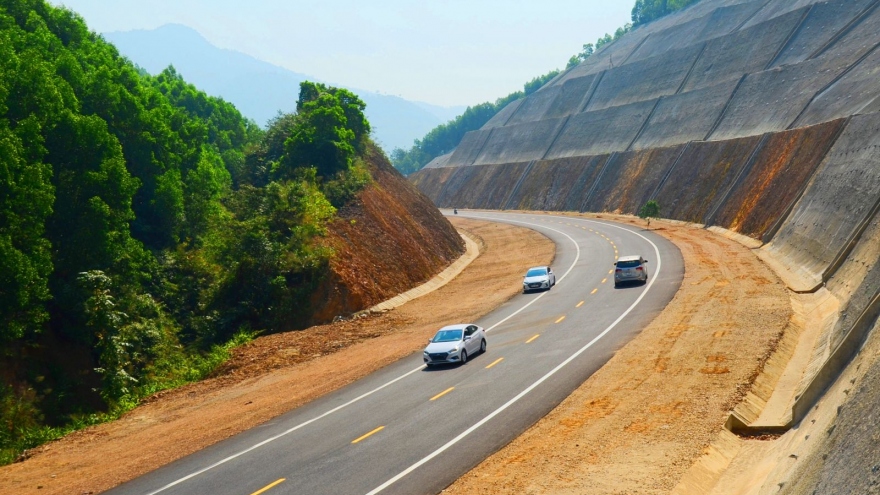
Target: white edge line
534 385
371 392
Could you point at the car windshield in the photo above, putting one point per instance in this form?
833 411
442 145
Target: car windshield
447 336
536 272
628 264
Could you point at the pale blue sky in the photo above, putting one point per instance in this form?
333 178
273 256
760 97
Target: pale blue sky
447 52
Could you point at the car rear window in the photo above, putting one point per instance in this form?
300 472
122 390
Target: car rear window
628 264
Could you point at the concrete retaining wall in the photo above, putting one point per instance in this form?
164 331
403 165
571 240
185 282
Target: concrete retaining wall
838 200
743 52
780 171
572 96
701 177
645 79
520 142
601 132
825 20
501 118
771 100
685 117
850 95
630 179
469 148
535 106
558 185
717 23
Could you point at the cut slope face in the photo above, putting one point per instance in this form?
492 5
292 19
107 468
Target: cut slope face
761 117
388 241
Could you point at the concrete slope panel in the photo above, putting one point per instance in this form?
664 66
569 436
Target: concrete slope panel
839 197
492 191
824 21
519 143
743 52
571 97
771 100
645 79
857 41
776 8
611 55
601 132
469 147
701 177
457 189
686 116
717 23
535 105
778 175
440 161
850 95
430 181
558 185
501 118
631 179
858 280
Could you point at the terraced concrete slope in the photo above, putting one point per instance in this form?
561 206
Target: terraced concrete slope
759 116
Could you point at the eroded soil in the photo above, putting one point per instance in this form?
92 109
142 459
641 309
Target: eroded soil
634 427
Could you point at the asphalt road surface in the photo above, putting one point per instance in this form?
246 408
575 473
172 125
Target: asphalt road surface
409 430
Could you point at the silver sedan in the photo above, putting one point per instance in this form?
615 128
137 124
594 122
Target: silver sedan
454 343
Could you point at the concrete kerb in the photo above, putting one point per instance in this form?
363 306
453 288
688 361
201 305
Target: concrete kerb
441 279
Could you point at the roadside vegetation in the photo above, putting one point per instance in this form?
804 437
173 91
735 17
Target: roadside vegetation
445 137
145 227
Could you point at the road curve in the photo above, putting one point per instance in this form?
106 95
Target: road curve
406 429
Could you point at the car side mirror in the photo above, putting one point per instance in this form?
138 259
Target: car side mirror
615 263
646 261
467 338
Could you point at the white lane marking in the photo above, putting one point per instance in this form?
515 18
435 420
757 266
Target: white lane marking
367 394
534 385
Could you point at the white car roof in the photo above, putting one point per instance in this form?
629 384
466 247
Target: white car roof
629 258
457 326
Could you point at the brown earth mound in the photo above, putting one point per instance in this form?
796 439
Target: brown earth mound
389 240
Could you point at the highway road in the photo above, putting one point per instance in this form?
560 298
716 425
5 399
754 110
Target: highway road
409 430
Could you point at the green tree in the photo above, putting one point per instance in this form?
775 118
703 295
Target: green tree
650 210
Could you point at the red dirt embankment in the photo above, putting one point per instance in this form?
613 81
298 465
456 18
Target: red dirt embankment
389 240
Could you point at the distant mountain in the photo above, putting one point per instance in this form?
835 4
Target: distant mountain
260 90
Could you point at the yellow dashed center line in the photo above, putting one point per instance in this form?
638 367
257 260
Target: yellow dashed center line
533 338
594 291
610 271
580 304
495 362
441 394
560 319
377 430
269 487
604 280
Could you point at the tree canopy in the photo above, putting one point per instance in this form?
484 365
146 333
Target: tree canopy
145 225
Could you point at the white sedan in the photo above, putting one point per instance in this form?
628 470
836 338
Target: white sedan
454 343
538 278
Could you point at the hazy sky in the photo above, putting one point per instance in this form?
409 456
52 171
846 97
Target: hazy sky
446 52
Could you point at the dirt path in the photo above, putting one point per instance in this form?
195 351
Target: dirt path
634 427
275 374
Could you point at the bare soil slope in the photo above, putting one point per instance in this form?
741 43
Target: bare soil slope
389 240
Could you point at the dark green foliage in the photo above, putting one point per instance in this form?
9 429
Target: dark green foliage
145 227
650 210
646 11
444 138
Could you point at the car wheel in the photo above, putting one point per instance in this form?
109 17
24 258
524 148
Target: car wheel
483 346
463 356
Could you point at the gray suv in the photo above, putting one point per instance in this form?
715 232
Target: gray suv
630 269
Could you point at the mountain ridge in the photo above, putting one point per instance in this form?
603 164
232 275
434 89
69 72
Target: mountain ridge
259 89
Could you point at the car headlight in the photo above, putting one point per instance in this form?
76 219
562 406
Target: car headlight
454 349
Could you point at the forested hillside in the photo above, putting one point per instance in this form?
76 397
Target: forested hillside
145 226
